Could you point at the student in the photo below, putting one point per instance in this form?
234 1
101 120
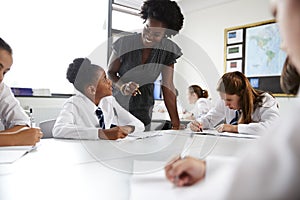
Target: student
271 170
81 117
245 109
138 59
198 97
13 117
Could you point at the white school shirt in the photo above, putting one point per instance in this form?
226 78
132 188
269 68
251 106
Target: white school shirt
11 113
262 117
78 119
270 169
201 107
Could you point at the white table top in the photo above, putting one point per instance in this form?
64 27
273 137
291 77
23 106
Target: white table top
77 169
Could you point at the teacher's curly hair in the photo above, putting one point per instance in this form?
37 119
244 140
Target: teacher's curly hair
165 11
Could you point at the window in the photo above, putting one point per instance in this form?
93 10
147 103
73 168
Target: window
47 35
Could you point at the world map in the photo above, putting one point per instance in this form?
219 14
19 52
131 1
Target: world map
263 56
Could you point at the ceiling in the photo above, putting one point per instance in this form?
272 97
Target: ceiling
186 5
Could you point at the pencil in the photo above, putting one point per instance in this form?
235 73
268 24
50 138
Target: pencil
185 151
138 91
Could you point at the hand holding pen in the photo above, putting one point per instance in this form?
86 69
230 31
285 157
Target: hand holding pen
196 126
130 88
184 172
184 153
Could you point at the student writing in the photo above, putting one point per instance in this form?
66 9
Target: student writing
271 170
13 117
244 109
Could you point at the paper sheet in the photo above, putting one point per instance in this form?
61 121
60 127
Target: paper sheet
154 185
227 134
142 135
12 153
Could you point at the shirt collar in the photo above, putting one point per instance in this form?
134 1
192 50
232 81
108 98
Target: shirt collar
90 105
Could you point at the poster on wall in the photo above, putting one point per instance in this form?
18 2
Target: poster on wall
263 56
234 65
256 52
235 36
234 51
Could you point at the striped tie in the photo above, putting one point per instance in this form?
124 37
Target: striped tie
234 121
100 116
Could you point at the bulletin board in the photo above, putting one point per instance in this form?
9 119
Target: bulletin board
254 49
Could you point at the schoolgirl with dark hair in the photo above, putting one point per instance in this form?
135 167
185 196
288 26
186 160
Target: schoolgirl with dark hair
199 98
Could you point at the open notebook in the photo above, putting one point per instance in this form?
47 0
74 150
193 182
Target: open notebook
226 134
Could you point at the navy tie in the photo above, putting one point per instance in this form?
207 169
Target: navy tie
100 116
235 120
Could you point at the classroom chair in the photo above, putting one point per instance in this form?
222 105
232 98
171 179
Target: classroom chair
46 127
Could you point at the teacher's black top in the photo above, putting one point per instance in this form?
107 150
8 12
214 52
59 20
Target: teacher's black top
129 50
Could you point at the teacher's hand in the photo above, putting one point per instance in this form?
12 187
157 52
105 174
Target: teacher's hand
130 88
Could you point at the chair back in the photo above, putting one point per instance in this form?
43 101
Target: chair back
46 127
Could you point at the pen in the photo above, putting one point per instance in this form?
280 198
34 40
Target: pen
185 151
32 124
198 125
200 129
116 114
138 91
187 145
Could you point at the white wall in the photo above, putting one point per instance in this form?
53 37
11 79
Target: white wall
43 108
47 35
205 27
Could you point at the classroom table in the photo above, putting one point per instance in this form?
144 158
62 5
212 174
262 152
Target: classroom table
101 169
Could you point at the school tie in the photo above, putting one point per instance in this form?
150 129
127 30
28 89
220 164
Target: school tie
100 116
234 121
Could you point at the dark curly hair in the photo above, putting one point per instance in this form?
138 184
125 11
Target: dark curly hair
5 46
81 72
165 11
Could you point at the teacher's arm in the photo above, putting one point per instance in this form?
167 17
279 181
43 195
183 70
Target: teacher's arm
113 69
170 95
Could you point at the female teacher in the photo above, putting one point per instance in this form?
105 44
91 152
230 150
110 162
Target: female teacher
138 59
